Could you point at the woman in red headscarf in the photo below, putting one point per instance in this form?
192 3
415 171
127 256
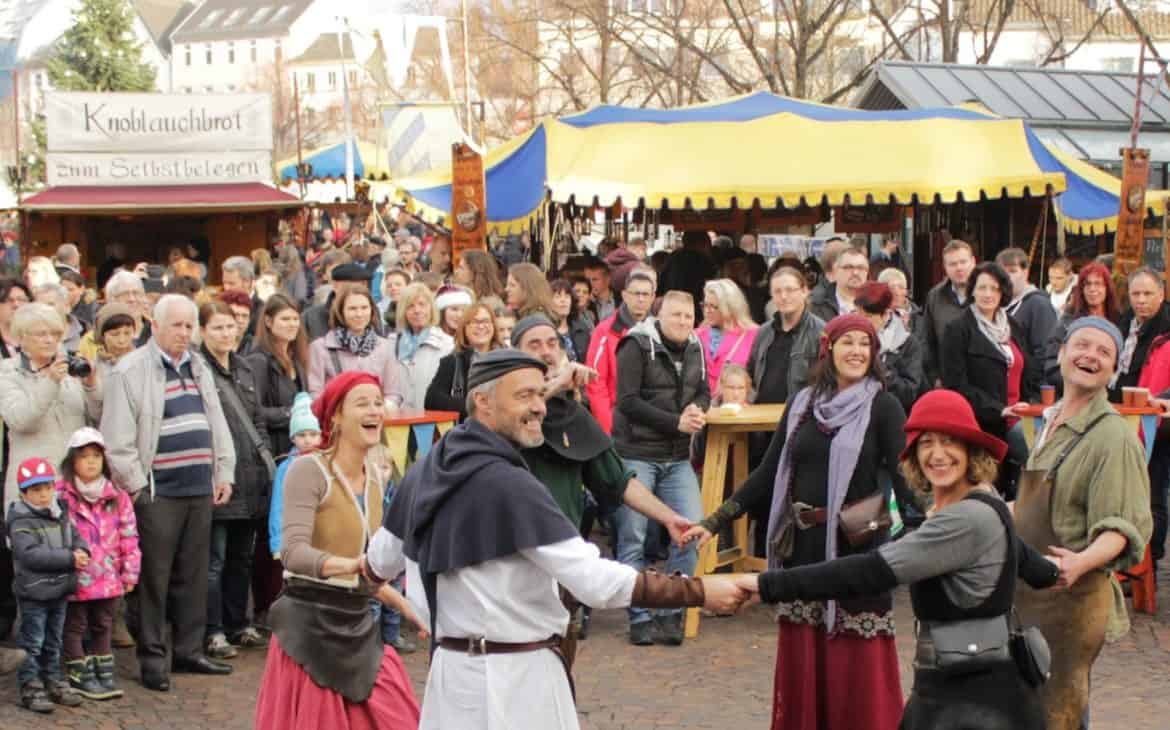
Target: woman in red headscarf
327 667
830 463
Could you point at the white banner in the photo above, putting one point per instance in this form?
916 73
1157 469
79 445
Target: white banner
164 168
128 122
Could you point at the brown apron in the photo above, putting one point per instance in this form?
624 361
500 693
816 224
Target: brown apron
1073 621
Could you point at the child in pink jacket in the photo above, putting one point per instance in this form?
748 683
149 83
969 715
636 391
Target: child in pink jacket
104 516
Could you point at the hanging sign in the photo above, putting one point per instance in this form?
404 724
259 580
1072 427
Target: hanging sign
1129 240
468 202
144 122
157 168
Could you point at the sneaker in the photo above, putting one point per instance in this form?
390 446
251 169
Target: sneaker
403 645
670 629
62 694
34 697
642 633
249 638
219 648
10 660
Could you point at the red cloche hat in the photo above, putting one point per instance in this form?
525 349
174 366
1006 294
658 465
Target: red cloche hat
945 411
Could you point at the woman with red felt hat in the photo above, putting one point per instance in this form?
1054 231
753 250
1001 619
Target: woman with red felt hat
327 667
961 566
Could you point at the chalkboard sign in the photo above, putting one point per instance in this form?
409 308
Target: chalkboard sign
1153 250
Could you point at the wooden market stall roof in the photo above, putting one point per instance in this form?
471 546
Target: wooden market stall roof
123 199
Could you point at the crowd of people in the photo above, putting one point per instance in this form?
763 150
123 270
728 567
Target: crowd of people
195 471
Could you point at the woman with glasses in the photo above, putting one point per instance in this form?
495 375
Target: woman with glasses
573 325
125 288
13 295
40 402
477 335
728 331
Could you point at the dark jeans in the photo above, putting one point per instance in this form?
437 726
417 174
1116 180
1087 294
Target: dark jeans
7 598
96 617
1159 469
267 572
42 624
229 575
175 536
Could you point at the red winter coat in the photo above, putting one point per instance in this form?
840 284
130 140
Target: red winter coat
602 357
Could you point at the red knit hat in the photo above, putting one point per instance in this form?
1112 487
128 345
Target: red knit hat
841 324
947 412
330 399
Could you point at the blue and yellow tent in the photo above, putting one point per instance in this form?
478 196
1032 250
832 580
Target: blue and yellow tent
329 162
778 151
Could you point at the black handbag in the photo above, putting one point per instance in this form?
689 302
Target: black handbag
230 399
1031 653
970 645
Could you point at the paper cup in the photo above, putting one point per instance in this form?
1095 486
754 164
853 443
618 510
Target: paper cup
1141 397
1127 396
1047 394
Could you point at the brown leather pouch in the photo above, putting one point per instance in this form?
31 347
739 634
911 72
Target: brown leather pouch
656 590
861 521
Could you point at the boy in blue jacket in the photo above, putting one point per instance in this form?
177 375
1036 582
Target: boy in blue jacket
305 432
47 553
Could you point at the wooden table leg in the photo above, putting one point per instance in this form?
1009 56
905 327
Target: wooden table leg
714 477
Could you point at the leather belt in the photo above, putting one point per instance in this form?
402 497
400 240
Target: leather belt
480 645
806 516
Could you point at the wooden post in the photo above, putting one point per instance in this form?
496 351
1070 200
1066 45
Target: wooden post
1129 240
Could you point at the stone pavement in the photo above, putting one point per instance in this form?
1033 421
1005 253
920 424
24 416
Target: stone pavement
720 680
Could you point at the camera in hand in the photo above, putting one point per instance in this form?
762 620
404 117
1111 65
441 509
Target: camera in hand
79 367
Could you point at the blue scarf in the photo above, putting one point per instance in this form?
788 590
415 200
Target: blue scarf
408 343
845 415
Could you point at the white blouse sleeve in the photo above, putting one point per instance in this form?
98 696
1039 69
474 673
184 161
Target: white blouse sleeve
385 555
579 567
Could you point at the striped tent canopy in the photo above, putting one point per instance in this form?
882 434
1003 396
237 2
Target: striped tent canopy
776 151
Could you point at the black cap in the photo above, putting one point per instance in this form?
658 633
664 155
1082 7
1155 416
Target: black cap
498 363
529 322
352 272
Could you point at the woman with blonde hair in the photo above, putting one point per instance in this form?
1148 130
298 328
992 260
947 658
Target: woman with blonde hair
419 344
728 331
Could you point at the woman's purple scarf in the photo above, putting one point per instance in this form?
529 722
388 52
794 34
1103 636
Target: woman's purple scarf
847 415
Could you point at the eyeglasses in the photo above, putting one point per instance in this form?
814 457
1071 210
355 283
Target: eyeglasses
640 294
481 322
854 267
16 300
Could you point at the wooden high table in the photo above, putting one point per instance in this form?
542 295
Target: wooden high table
398 427
727 443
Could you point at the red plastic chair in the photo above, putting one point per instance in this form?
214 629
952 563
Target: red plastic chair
1143 589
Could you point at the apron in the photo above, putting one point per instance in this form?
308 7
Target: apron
1073 621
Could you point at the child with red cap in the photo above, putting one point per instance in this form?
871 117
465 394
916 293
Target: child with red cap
47 553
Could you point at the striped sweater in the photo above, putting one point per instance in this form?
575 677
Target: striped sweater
183 464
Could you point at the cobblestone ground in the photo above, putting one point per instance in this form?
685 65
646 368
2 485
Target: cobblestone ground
720 680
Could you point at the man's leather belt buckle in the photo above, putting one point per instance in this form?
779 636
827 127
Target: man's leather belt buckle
477 645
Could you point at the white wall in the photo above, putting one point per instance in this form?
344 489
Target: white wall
223 74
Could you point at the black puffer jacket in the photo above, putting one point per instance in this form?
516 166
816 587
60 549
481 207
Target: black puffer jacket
252 488
276 391
42 551
652 394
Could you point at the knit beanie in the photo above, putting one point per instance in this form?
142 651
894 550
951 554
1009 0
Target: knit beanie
301 417
1097 323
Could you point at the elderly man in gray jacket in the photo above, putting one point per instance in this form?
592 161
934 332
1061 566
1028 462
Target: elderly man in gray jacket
169 447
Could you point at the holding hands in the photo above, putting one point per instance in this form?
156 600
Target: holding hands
728 594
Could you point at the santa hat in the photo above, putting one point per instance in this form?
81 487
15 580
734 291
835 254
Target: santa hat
452 296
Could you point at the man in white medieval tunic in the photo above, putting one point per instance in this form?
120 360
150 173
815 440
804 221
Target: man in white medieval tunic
487 546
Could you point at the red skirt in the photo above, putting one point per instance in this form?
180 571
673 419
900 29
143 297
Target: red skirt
290 700
841 683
